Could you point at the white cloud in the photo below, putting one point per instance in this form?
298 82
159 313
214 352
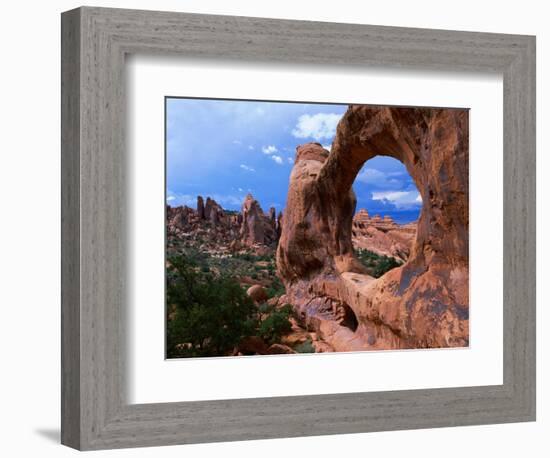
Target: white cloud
237 142
290 160
170 198
247 168
400 199
250 147
327 147
184 199
370 175
379 179
317 126
270 149
277 159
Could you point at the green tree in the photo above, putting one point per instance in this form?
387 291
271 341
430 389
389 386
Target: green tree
276 324
276 288
384 265
376 265
211 314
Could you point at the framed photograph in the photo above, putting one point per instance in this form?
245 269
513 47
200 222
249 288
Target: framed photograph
277 228
304 277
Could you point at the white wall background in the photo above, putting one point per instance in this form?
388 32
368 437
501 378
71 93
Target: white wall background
29 228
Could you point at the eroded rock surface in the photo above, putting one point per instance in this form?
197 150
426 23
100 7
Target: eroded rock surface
213 211
382 235
257 227
423 303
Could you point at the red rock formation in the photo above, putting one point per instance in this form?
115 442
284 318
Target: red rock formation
278 225
256 227
213 211
382 235
273 217
207 228
423 303
214 230
200 207
179 218
253 345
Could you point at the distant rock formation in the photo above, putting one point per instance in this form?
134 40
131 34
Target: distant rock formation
382 236
178 217
256 228
423 303
213 212
278 225
217 229
273 216
200 207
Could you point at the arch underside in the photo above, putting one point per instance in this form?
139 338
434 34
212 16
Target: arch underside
423 303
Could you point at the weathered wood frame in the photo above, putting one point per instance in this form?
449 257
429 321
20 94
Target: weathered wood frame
95 413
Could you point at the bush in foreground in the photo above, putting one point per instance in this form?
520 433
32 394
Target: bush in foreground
275 325
212 313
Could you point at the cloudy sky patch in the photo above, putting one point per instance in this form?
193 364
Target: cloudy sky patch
318 126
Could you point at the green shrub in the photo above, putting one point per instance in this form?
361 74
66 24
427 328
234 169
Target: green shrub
384 265
276 325
276 288
212 313
264 307
376 265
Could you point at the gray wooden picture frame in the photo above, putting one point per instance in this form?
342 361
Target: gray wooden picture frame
95 412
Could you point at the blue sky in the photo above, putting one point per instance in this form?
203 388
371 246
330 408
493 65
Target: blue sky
226 149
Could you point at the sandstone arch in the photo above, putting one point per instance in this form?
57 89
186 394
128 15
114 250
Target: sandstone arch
423 303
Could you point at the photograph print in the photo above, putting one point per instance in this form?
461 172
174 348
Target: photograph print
296 228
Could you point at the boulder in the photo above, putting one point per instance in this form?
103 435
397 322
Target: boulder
253 345
257 293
